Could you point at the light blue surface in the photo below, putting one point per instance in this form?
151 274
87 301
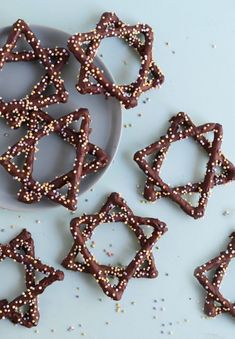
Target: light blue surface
199 65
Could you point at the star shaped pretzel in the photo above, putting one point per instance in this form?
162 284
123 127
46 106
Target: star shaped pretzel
21 250
95 159
27 146
215 302
84 46
181 127
15 111
142 266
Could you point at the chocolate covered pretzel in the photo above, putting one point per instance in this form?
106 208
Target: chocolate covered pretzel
16 110
215 302
95 160
181 127
136 268
84 46
27 146
21 250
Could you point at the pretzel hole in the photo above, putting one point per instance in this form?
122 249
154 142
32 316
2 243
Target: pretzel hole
121 59
114 281
20 250
13 73
85 46
209 136
113 244
151 77
49 90
211 273
181 128
218 170
141 37
148 230
12 279
144 265
89 159
116 210
20 160
24 309
92 80
22 45
192 198
110 26
39 275
19 78
80 259
54 158
217 304
184 163
63 190
150 157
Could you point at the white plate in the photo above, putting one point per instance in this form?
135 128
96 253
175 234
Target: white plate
55 156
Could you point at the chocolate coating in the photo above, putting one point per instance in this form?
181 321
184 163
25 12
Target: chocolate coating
102 272
181 127
111 26
215 302
27 146
16 110
21 250
95 159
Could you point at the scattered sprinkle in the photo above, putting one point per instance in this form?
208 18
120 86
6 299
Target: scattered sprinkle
93 244
70 328
118 307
